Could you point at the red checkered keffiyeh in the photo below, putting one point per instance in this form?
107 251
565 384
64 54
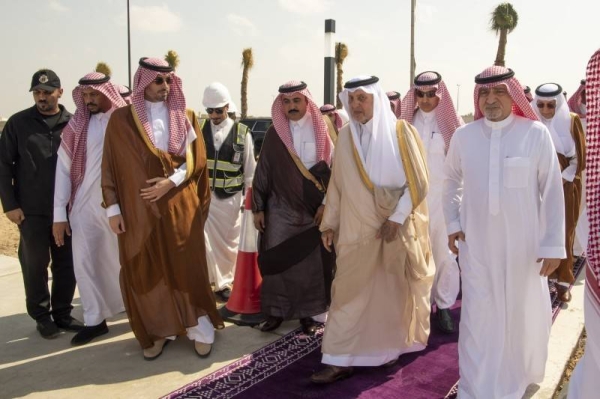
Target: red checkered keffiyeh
74 136
331 109
394 98
282 125
575 100
527 91
125 93
499 75
447 118
179 125
592 91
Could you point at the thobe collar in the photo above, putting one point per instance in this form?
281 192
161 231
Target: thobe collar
366 127
500 124
428 117
300 123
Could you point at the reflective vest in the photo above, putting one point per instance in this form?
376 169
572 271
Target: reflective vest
226 166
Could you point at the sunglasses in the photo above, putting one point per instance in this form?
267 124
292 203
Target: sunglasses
428 94
160 80
547 105
218 111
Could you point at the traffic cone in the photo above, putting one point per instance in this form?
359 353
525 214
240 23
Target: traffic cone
243 306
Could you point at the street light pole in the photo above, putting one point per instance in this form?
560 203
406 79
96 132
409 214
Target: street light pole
329 89
128 47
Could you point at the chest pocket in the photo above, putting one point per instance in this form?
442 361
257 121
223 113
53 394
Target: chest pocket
516 172
309 152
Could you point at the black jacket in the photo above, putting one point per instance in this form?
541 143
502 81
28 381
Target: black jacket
28 153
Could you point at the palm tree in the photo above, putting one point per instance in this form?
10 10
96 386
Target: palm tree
341 52
103 67
172 58
503 21
247 64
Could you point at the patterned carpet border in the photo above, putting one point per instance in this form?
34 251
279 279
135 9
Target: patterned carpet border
251 369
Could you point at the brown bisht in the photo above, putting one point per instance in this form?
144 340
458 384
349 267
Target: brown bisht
164 277
572 191
296 269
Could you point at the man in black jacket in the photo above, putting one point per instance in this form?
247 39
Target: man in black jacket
28 148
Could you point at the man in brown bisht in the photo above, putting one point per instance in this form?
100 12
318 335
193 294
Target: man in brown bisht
569 141
155 188
289 186
376 215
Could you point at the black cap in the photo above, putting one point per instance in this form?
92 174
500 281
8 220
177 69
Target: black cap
45 79
157 68
431 82
554 93
359 83
88 82
395 96
291 89
480 80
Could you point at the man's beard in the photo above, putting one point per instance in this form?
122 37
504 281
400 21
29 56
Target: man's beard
493 113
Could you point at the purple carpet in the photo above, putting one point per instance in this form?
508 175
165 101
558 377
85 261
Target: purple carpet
282 370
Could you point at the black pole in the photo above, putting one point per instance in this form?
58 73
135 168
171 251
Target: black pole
329 86
129 46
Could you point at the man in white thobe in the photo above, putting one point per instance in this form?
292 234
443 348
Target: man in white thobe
428 106
504 210
77 186
231 164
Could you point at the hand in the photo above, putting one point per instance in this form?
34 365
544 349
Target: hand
117 224
319 215
160 186
389 231
452 238
58 231
259 221
16 216
327 238
548 266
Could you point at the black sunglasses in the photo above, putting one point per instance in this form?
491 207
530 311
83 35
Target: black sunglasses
219 111
428 94
160 80
547 105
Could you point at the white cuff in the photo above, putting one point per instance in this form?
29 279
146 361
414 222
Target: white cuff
552 253
453 227
178 177
113 210
60 214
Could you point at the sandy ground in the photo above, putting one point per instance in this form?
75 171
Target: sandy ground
9 236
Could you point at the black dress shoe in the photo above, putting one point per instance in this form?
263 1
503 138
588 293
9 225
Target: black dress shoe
89 333
331 374
444 321
308 326
224 294
271 324
69 323
47 329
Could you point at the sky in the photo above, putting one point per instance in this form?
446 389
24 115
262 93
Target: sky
552 43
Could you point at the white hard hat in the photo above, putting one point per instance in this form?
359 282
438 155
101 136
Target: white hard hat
216 95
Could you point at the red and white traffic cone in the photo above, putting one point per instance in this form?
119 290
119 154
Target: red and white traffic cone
243 306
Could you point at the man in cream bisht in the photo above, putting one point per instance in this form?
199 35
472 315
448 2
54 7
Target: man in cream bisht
231 164
569 141
377 217
78 172
503 203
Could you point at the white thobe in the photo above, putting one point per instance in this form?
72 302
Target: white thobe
222 228
446 284
582 230
503 189
95 248
303 137
585 381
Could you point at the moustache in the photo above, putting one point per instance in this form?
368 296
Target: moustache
293 111
91 104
